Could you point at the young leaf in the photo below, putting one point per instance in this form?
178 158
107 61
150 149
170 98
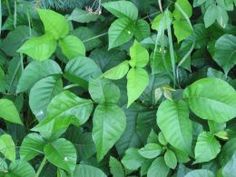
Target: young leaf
104 91
173 120
20 168
39 48
83 170
158 168
116 168
138 80
120 32
9 112
218 104
72 47
139 55
200 173
150 151
210 15
7 147
54 23
109 122
122 9
62 154
170 159
35 71
118 71
182 29
207 147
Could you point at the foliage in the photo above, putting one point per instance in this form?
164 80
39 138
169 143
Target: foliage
118 88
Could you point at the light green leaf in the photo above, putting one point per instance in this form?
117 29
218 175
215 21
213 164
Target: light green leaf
182 29
150 150
210 102
185 6
120 32
173 120
158 168
83 16
39 48
210 15
116 168
7 147
170 159
139 55
200 173
54 23
162 21
222 17
72 47
141 30
104 91
31 146
83 170
207 147
42 93
122 9
109 122
132 160
197 3
118 71
137 82
35 71
20 168
225 52
9 112
62 154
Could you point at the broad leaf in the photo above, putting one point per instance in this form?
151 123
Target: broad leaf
72 47
54 23
36 71
62 154
109 123
138 80
39 48
20 168
170 159
116 168
9 112
122 9
210 15
120 32
200 173
150 150
118 71
158 168
7 147
182 29
83 170
83 16
210 102
207 147
173 120
229 169
185 6
141 30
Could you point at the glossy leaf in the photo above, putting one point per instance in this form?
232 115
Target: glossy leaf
20 168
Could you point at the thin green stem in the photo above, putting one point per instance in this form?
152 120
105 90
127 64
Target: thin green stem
70 86
95 37
184 14
43 163
15 14
8 7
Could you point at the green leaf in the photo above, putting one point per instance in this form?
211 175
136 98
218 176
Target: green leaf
138 80
83 16
207 147
122 9
210 102
72 47
132 160
62 154
104 91
20 168
109 122
170 159
39 48
118 71
9 112
81 69
222 17
150 151
141 30
225 52
229 169
162 21
31 146
54 23
139 55
42 93
158 168
116 168
35 71
173 120
210 15
7 147
198 2
185 6
200 173
83 170
120 32
182 29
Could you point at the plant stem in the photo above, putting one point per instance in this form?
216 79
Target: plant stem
160 5
43 163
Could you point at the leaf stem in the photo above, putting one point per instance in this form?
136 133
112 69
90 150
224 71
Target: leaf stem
43 163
